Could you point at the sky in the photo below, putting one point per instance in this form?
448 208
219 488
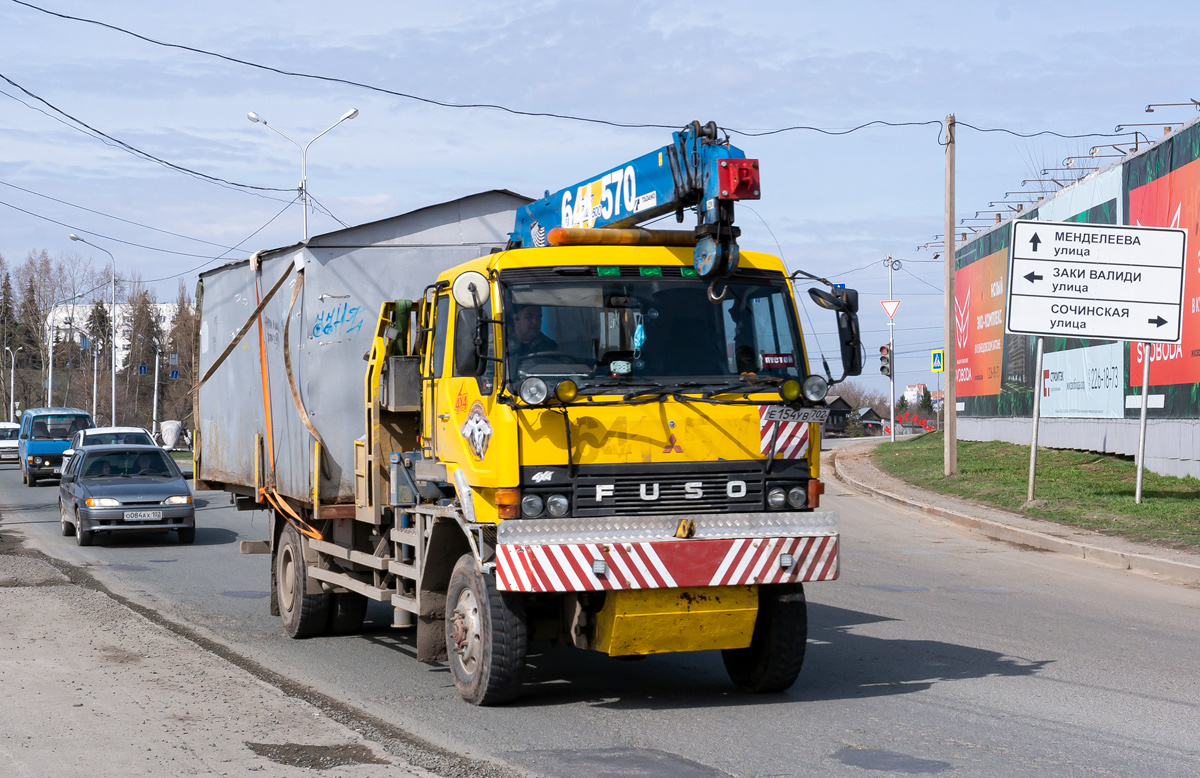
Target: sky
833 205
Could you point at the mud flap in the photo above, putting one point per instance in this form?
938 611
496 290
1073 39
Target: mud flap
431 638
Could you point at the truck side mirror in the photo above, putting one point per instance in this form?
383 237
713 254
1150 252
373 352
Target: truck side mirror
845 303
470 290
470 343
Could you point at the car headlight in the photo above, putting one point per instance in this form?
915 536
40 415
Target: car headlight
557 505
37 460
776 499
797 497
178 499
531 505
102 502
533 391
815 388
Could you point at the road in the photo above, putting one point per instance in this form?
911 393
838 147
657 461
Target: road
936 652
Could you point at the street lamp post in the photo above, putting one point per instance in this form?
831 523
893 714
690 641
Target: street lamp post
12 382
157 359
53 330
252 116
112 346
95 361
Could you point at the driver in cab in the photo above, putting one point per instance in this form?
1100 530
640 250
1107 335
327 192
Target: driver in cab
527 327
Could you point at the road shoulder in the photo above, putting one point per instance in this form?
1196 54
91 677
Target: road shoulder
854 465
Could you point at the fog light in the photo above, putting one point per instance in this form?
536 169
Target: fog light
776 499
815 388
533 391
557 505
599 567
790 389
566 391
531 505
797 497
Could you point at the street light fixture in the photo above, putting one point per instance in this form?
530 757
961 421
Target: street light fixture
1193 104
12 372
112 346
252 116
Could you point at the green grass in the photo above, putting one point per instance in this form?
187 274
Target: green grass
180 455
1080 489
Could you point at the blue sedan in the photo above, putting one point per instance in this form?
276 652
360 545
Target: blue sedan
124 488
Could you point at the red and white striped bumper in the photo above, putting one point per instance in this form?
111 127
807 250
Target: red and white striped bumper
660 562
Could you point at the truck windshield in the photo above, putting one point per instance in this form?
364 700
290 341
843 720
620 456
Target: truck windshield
647 330
58 427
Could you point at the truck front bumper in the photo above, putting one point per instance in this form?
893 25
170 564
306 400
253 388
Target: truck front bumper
624 553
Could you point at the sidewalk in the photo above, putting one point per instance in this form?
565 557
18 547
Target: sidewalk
854 466
90 687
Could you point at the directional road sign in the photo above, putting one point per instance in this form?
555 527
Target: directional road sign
174 374
890 307
938 360
141 370
1095 281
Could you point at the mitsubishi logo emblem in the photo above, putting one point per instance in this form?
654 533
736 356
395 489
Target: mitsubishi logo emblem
673 447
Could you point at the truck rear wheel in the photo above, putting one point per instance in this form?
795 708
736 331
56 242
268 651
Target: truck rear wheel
303 614
773 659
485 636
346 612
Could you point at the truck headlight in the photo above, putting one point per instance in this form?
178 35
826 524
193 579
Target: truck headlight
178 499
797 497
815 388
102 502
776 499
37 460
533 391
531 505
557 505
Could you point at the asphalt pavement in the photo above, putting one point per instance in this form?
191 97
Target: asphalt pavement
937 651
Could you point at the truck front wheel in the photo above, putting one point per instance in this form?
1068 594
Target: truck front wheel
304 614
772 661
485 636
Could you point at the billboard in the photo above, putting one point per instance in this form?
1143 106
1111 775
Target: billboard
1084 383
979 294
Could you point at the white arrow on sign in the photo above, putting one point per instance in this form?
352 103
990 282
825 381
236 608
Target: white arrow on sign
890 306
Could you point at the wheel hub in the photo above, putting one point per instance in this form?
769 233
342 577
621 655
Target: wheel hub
465 631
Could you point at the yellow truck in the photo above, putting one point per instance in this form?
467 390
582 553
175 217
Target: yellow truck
600 436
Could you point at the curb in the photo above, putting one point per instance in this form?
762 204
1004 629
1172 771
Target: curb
1138 563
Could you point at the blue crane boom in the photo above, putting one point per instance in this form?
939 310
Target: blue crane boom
696 171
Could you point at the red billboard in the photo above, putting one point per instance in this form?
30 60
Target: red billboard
979 325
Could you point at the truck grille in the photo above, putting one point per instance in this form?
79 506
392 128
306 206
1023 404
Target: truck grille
647 494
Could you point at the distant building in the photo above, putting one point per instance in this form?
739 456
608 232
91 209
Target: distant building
71 319
839 414
913 394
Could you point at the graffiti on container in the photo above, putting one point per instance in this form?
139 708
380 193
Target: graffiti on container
343 319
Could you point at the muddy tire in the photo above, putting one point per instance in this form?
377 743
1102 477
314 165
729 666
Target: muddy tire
485 636
346 613
303 614
772 661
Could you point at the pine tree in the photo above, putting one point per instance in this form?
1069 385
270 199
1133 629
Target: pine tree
926 406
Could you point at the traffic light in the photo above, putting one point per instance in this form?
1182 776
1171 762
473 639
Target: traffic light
885 360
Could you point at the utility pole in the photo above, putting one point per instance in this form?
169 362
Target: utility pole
949 399
891 265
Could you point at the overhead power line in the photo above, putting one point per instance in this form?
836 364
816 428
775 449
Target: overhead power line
547 114
138 152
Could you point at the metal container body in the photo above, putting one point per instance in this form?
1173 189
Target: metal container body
348 275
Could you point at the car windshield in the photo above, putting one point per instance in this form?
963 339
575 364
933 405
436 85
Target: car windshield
9 433
647 329
58 427
127 463
109 438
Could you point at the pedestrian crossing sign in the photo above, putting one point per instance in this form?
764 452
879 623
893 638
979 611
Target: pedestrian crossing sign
938 360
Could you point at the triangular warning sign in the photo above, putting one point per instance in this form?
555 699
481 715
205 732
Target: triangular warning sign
890 306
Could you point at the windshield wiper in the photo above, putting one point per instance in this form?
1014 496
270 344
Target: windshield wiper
596 387
748 383
659 391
